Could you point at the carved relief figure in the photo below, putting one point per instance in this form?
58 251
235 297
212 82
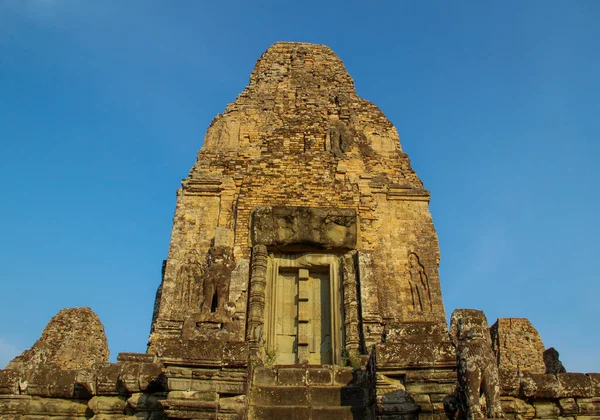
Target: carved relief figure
477 370
419 284
217 276
188 278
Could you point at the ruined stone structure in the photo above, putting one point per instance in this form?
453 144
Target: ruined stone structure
301 282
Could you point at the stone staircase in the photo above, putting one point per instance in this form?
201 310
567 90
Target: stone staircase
310 392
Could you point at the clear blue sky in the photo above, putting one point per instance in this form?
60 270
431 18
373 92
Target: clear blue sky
104 104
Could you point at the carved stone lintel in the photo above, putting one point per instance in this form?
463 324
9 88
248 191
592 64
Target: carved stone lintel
256 302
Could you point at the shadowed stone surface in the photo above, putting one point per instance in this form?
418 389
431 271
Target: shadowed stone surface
552 362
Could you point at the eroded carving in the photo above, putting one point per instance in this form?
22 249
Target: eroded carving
327 228
477 370
419 284
340 137
215 287
351 304
256 303
189 277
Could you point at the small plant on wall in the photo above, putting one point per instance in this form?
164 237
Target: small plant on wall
351 359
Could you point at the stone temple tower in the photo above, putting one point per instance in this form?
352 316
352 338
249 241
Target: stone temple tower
301 282
302 228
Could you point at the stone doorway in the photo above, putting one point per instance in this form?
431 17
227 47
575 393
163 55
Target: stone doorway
303 317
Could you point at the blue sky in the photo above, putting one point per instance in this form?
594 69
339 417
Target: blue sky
104 105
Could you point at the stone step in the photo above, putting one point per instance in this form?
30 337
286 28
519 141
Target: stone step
279 395
306 413
328 396
331 396
312 375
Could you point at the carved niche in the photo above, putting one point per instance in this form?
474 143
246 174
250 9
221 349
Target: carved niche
419 284
189 277
204 293
214 300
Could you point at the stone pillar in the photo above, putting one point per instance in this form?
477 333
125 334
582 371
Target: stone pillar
256 302
351 319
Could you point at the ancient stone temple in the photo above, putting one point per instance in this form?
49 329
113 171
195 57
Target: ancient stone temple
301 282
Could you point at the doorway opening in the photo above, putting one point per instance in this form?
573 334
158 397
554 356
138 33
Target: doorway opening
303 309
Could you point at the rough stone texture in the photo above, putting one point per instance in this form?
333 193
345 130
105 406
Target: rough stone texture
477 370
301 282
518 345
304 227
300 138
73 339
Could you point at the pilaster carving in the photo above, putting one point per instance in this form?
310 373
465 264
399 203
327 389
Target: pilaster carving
351 317
256 302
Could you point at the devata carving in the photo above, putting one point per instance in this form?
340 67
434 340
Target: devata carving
215 288
188 277
419 284
477 370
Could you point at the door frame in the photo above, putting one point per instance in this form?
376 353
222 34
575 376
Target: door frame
305 261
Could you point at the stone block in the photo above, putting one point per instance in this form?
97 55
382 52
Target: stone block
235 354
316 376
422 399
343 376
341 413
430 387
595 380
193 395
150 378
335 397
436 398
9 382
135 357
568 406
234 404
107 381
542 386
588 406
265 376
575 385
291 376
518 407
180 384
262 412
281 396
432 375
510 382
518 345
546 408
107 405
52 382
